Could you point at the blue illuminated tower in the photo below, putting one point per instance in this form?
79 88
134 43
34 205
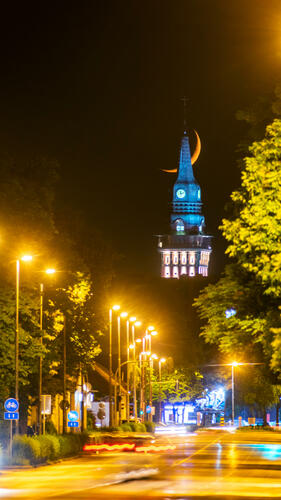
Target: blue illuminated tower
186 250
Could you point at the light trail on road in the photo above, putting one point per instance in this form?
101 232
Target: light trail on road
211 464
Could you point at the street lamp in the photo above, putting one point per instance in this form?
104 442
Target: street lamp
161 361
233 365
114 308
134 325
24 258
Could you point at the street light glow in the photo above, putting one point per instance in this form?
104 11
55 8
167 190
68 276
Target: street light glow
131 346
26 258
138 341
138 323
50 271
163 360
154 332
234 363
150 328
124 315
133 319
116 308
154 356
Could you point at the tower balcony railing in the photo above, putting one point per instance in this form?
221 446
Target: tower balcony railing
186 241
184 207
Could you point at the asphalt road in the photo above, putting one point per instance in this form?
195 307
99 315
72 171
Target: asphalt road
210 464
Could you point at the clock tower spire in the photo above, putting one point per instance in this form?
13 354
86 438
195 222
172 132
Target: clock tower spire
186 250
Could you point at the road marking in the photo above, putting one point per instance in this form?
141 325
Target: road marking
196 452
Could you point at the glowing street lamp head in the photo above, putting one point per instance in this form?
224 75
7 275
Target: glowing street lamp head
26 258
50 271
116 308
154 356
131 346
138 341
234 363
124 315
138 323
133 319
154 332
162 360
150 328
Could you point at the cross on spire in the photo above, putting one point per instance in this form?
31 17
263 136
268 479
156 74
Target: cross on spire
185 101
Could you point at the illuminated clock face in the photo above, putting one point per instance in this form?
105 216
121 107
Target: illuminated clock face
180 193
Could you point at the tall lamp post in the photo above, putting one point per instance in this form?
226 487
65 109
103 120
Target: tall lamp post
114 308
233 365
24 258
161 361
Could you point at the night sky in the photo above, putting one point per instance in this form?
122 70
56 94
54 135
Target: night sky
97 85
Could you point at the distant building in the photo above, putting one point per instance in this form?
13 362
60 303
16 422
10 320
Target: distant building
186 250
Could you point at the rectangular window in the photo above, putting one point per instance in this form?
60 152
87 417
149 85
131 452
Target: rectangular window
167 272
183 258
192 271
167 259
175 258
175 272
191 258
183 270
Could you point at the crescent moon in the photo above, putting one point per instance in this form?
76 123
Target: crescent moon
194 157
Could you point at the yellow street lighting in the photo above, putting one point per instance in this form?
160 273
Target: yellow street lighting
162 360
234 363
150 328
154 356
124 315
131 346
147 336
138 341
26 258
154 332
50 271
133 319
116 308
138 323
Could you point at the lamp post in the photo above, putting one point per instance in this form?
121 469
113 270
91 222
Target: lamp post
135 324
233 365
48 272
151 359
114 308
162 360
24 258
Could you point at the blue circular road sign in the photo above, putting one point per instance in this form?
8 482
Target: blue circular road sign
11 405
73 416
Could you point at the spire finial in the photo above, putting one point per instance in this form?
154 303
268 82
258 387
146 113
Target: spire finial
185 101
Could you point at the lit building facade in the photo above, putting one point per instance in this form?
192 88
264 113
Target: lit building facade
186 250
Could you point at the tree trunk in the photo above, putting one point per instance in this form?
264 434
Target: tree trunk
264 417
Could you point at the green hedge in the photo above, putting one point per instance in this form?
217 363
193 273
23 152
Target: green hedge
40 449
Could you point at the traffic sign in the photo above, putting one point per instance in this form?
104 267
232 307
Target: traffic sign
72 424
11 405
73 416
11 415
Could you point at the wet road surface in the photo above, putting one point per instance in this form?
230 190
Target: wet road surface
210 464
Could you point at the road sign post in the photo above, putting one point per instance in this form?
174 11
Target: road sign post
72 419
11 406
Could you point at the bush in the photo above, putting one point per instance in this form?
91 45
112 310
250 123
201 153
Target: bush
150 426
26 448
49 447
137 427
126 427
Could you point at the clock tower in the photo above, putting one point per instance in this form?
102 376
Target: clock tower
186 250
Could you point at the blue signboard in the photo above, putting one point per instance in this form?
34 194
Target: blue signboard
11 405
73 416
72 424
148 409
11 415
